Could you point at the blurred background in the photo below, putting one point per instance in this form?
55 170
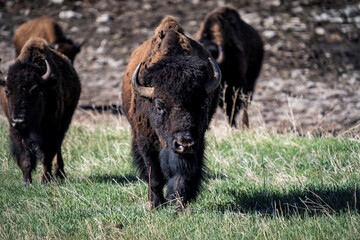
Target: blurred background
309 83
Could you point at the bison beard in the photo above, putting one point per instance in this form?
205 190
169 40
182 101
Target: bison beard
182 173
168 134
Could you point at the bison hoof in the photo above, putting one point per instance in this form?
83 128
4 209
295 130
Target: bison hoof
59 174
157 202
46 178
26 183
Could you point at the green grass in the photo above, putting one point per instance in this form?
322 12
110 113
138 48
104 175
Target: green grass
259 186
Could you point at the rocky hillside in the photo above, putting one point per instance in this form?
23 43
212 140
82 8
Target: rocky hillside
310 80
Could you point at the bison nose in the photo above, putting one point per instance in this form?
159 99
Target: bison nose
183 143
18 123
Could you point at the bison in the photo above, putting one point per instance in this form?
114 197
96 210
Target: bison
238 50
48 29
39 97
170 93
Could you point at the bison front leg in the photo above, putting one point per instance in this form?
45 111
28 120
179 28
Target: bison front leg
176 191
27 164
156 185
150 171
59 166
25 159
182 189
46 160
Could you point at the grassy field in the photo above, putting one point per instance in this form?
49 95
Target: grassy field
259 186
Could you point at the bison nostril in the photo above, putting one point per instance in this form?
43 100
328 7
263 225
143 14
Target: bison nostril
17 122
184 145
178 147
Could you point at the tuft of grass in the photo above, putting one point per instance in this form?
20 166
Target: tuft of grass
259 185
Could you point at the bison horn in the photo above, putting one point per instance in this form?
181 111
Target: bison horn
46 76
147 92
215 81
220 57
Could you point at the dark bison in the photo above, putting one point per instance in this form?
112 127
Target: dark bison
170 93
238 49
39 97
48 29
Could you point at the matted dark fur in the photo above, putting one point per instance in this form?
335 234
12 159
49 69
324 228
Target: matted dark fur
39 109
238 49
48 29
168 128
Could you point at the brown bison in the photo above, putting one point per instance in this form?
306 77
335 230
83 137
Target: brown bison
170 93
48 29
238 49
39 97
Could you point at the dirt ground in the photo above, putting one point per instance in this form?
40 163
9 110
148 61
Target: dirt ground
310 80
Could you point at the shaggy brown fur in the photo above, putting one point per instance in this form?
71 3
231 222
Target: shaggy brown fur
238 49
48 29
39 111
178 113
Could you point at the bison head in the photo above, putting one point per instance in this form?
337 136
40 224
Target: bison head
24 89
177 94
212 37
68 48
215 50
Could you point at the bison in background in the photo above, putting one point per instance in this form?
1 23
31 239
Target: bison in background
238 49
39 97
170 93
48 29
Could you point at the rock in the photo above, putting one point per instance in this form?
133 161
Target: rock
297 9
57 1
320 31
269 34
147 6
335 38
295 24
269 22
103 29
70 15
103 18
74 29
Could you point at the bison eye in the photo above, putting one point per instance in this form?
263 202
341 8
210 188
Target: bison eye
204 107
160 106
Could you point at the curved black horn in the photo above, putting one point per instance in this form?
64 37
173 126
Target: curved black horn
221 56
147 92
215 81
46 76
